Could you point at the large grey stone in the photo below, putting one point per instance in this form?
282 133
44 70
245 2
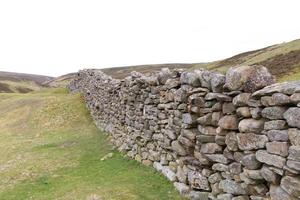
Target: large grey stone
291 185
164 75
182 188
251 125
275 125
294 153
198 181
190 78
231 141
248 78
241 99
294 136
250 162
232 187
288 88
274 112
217 82
278 135
210 148
277 193
251 141
229 122
269 175
292 116
178 148
278 148
270 159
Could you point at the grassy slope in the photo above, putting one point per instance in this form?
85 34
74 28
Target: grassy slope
283 60
52 150
21 83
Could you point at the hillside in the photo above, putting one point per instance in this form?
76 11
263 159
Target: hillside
53 150
283 60
11 82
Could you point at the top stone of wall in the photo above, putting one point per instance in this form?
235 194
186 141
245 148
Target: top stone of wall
233 136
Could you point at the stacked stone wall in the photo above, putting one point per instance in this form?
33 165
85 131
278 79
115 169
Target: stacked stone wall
233 136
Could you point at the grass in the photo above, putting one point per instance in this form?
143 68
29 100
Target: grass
52 150
21 86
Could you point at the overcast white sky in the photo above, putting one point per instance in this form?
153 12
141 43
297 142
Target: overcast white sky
55 37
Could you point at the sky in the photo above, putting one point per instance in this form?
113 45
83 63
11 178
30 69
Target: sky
55 37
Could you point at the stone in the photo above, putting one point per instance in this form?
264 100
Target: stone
278 148
241 99
198 181
255 112
291 185
280 99
186 142
181 174
190 78
250 141
217 96
278 135
228 108
187 118
205 78
196 195
277 193
231 141
250 162
253 174
224 197
171 134
274 112
214 178
269 175
292 116
295 98
220 167
243 112
248 78
178 148
241 198
217 82
235 168
158 166
207 130
215 118
219 158
295 165
206 138
210 148
294 136
294 153
270 159
167 172
275 125
229 122
164 75
251 125
205 120
182 188
287 88
232 187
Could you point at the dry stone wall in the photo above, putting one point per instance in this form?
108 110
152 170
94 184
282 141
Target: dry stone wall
233 136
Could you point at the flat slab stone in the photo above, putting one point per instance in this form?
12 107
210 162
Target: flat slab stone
288 88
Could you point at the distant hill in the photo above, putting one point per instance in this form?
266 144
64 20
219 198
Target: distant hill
61 81
11 82
283 60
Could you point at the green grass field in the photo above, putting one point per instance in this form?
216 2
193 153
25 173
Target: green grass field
50 149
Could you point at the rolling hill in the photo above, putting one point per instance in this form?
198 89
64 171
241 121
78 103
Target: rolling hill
283 61
11 82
